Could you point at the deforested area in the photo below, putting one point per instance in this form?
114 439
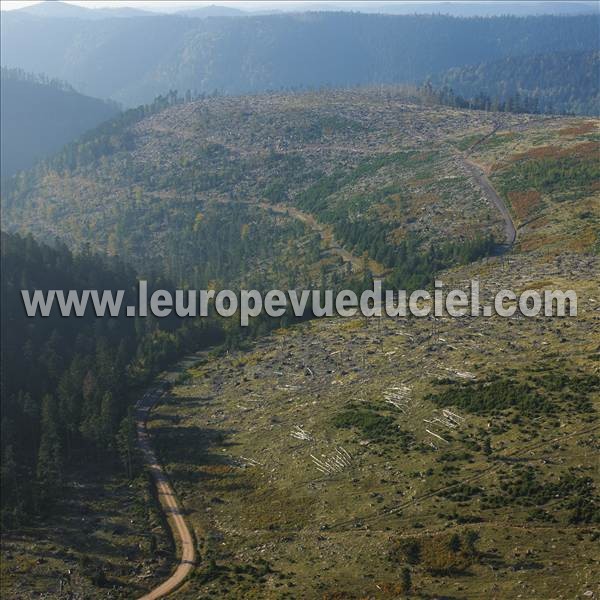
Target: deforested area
150 450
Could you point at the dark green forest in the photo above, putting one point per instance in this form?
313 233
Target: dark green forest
558 82
66 383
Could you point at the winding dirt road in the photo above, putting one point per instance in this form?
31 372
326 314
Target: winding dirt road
168 500
475 170
179 527
510 231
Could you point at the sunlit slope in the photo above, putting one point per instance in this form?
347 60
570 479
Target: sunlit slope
312 463
548 173
323 461
276 188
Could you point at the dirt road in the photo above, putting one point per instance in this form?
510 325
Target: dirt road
168 501
510 232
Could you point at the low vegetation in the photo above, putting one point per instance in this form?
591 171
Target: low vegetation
335 458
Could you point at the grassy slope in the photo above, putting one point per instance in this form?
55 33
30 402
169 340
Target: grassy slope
255 494
388 164
238 410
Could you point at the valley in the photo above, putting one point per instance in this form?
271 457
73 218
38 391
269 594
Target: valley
331 458
284 158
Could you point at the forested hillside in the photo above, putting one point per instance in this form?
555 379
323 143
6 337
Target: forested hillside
135 59
260 148
66 382
288 190
40 115
556 82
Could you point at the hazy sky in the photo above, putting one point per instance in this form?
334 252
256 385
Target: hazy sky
163 5
145 4
149 4
174 4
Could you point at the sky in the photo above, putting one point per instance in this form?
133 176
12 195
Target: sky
163 5
166 5
145 4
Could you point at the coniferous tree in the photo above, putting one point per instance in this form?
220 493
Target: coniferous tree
126 442
406 581
49 462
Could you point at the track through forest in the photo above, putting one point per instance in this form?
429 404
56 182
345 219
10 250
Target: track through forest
326 234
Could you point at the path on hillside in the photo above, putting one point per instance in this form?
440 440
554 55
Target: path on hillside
326 234
477 172
479 175
168 500
510 231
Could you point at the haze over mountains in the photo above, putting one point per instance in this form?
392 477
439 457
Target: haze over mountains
134 59
458 9
40 116
323 459
132 56
557 81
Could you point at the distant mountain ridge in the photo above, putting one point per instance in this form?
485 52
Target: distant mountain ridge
62 10
214 11
54 8
40 116
135 59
